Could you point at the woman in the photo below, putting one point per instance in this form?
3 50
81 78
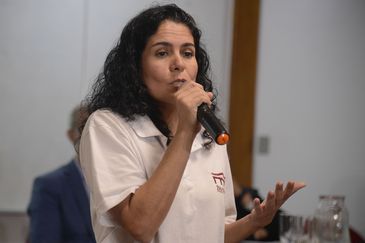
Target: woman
154 174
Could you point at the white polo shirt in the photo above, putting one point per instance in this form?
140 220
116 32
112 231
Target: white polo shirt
118 156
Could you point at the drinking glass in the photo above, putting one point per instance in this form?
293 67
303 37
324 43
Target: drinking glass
295 228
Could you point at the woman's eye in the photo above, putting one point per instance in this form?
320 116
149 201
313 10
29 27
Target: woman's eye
161 53
188 53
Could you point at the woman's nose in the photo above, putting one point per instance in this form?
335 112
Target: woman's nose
177 63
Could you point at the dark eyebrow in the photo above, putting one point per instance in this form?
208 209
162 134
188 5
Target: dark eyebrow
164 43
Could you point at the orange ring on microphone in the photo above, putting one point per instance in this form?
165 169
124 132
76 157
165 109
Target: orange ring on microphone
222 139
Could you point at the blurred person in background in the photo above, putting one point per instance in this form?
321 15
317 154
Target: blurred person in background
59 208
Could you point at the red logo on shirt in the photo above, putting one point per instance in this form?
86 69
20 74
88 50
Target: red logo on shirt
219 181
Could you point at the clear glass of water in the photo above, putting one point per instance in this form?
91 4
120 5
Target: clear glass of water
295 228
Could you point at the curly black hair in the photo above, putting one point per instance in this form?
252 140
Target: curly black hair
120 86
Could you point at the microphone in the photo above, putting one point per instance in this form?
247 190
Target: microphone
211 123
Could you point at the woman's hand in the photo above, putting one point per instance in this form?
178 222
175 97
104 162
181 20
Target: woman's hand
263 213
188 97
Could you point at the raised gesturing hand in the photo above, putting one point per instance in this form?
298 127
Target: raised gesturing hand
263 213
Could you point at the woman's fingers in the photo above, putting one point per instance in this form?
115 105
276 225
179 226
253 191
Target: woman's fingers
265 211
257 206
291 188
270 201
194 94
298 186
278 194
288 191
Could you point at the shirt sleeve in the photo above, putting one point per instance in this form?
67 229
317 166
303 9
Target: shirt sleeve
110 162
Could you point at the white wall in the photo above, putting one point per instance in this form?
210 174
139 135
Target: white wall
50 52
40 61
311 101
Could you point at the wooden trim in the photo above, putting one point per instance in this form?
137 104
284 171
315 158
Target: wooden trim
243 82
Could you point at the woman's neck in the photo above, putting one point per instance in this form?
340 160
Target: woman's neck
169 115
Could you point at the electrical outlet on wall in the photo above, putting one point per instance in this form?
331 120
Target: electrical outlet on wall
263 145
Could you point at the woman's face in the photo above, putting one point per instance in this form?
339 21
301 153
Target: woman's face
168 60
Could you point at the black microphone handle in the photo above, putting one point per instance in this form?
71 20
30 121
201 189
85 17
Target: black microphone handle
212 125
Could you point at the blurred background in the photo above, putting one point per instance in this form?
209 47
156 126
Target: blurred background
304 73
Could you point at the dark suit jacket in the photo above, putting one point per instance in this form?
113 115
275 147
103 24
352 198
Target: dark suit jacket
59 209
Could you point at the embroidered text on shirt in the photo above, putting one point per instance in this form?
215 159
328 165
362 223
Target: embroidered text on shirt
219 180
